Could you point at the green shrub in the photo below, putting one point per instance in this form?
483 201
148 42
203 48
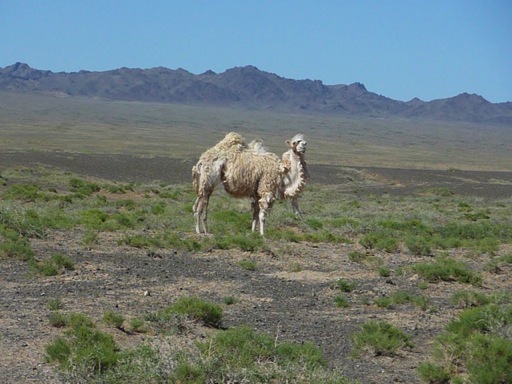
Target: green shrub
345 285
357 257
418 245
14 245
421 301
241 348
490 360
90 237
83 188
314 223
295 267
401 297
57 319
158 208
325 236
24 192
84 348
475 345
447 269
20 221
94 218
379 240
433 373
137 325
54 304
53 266
113 319
229 300
198 309
341 301
384 302
381 338
465 299
245 242
384 271
248 265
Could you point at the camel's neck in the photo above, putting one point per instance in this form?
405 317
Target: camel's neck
295 173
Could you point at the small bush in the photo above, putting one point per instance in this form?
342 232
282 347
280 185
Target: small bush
84 348
113 319
209 313
465 299
345 285
94 218
381 338
242 349
341 301
422 302
295 267
379 240
90 237
357 257
248 265
475 345
83 188
137 325
447 269
57 319
314 223
245 242
54 304
384 271
229 300
418 245
23 192
433 373
14 245
384 302
53 266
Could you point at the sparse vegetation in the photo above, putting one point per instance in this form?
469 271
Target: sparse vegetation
85 353
445 268
412 241
198 309
248 265
113 319
345 285
380 338
476 345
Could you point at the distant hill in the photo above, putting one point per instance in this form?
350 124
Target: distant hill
247 87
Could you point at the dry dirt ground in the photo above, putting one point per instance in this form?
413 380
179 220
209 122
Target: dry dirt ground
296 306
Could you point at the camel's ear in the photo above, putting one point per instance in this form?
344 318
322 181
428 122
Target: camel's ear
289 143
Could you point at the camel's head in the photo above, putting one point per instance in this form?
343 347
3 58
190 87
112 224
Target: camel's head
298 144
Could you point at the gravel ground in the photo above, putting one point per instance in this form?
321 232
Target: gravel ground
295 306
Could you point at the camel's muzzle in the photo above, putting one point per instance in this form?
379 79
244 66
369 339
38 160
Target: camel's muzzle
300 146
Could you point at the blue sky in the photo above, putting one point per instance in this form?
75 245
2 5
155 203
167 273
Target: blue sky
400 49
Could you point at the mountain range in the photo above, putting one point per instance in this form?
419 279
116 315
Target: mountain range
250 88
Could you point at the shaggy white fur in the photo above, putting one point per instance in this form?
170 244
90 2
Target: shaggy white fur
249 171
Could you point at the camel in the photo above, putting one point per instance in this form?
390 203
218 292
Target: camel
249 170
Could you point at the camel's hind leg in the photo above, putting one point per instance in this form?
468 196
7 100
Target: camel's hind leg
255 213
205 177
264 203
296 209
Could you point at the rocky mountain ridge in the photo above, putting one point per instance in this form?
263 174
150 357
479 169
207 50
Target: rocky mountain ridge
250 88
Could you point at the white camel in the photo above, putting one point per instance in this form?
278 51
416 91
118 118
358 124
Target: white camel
249 170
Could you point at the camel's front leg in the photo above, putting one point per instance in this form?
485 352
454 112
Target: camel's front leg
295 207
265 203
201 213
